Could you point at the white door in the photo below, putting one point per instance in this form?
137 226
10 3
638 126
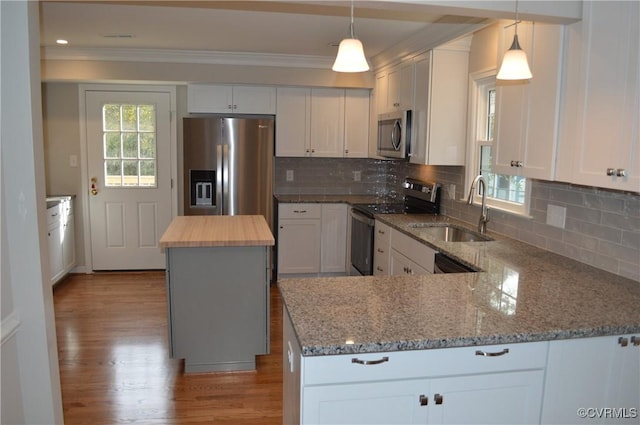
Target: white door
129 167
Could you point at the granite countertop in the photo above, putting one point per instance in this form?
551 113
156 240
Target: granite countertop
217 230
54 200
521 294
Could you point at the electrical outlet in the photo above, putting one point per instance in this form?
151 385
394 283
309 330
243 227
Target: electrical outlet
452 191
556 216
289 175
357 176
73 161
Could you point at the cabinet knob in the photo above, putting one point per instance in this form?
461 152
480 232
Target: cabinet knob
611 171
516 163
635 341
346 151
380 251
623 341
437 398
379 269
621 172
424 400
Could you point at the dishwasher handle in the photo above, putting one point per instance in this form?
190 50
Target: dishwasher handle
362 218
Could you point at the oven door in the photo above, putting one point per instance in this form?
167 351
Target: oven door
362 228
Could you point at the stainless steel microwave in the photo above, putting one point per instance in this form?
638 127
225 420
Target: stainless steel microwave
394 134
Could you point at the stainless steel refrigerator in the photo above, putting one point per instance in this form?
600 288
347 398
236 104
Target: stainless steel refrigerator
228 165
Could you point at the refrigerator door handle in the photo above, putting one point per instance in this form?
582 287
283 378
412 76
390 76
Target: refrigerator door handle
228 209
219 177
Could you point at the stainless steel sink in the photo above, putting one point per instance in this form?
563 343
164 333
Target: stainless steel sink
449 233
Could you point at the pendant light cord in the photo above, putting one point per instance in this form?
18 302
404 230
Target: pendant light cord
351 26
516 30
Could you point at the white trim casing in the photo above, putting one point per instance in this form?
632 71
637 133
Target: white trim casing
10 325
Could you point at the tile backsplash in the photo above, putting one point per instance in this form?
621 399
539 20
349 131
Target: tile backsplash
602 227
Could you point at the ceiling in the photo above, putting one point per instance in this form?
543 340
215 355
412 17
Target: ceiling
309 28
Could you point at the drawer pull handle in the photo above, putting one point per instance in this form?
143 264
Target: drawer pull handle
369 362
300 211
495 354
380 251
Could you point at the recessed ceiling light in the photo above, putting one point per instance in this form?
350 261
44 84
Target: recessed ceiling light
62 41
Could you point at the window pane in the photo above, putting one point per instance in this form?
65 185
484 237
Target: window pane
147 145
147 173
129 173
130 145
491 113
129 118
146 118
111 117
112 145
113 174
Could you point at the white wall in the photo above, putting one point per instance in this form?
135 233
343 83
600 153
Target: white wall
32 393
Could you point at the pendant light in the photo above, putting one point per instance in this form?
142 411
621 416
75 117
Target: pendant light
514 63
350 56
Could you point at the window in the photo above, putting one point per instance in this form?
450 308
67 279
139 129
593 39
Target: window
504 192
129 140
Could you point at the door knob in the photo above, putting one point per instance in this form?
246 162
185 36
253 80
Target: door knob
94 182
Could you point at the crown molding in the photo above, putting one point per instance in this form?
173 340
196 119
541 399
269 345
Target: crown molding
185 56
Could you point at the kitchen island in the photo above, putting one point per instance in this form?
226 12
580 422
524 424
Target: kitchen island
218 290
530 338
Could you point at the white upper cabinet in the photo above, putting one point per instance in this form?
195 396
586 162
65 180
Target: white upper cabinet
213 98
293 118
394 88
527 112
601 111
322 122
327 122
439 117
356 123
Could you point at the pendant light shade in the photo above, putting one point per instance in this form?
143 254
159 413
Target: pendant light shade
350 56
514 63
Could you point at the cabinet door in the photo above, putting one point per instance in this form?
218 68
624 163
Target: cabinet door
293 118
440 109
500 398
327 122
592 373
386 402
527 111
356 124
400 89
601 113
209 98
402 265
68 244
254 100
54 244
381 94
333 256
291 366
299 246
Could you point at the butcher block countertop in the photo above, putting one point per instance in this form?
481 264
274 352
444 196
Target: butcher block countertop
217 230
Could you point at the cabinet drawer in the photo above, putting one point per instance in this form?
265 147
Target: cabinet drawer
54 214
414 250
382 234
341 368
306 210
425 363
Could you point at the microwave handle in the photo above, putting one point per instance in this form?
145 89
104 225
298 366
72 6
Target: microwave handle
396 135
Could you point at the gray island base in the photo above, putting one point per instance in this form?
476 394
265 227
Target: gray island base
218 291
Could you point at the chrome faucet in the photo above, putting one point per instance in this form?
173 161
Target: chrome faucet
484 214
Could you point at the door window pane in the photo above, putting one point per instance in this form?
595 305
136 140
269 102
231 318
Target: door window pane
129 139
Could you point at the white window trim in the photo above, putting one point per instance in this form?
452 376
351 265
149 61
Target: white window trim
476 81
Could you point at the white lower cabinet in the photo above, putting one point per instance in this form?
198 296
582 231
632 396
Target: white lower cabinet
409 256
312 238
438 386
60 240
593 380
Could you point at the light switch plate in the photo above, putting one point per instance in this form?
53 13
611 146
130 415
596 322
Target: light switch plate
556 216
289 175
357 176
73 161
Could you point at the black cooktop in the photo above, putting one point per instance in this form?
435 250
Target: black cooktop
419 198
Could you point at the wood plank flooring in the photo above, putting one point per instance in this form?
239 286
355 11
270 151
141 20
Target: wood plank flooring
115 367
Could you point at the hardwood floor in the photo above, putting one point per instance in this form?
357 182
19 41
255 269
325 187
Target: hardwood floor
115 367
